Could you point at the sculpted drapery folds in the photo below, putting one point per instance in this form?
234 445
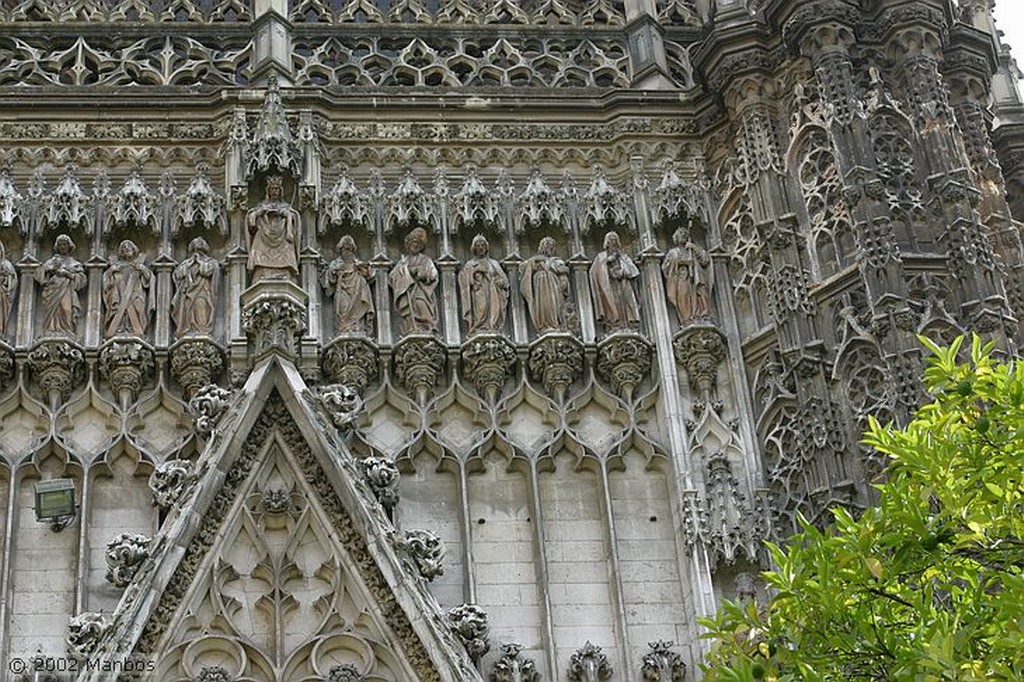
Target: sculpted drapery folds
195 290
273 229
688 278
483 286
347 279
8 283
611 284
62 277
545 287
127 292
413 281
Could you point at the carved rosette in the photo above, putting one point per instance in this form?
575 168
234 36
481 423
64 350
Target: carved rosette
125 553
196 362
700 349
169 481
469 623
426 551
274 315
207 406
419 365
381 474
513 668
345 672
56 367
276 501
341 402
351 361
126 363
487 361
661 664
85 632
556 361
624 360
589 664
214 673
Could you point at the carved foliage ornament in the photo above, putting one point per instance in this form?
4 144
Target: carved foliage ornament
470 625
661 664
126 365
624 360
426 551
125 553
589 664
382 476
488 361
419 364
207 406
169 481
85 632
342 403
56 366
196 363
556 361
352 362
512 667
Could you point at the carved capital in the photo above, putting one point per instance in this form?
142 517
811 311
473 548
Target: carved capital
274 315
57 366
125 553
85 632
425 550
624 360
589 664
351 361
196 362
169 481
661 664
126 363
419 364
556 361
207 406
487 361
470 625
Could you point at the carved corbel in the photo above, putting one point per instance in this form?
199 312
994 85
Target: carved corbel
556 361
624 360
661 664
274 315
487 361
700 349
419 365
57 367
351 361
126 363
196 362
589 664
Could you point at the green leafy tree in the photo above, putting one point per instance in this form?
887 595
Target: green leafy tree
928 584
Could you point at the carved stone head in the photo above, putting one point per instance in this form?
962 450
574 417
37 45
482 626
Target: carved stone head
198 245
416 240
480 246
612 244
547 246
63 245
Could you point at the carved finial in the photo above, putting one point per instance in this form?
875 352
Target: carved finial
273 147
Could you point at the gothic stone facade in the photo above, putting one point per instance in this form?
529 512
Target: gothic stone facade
403 340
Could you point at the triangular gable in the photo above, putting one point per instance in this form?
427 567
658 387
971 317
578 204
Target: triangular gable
279 563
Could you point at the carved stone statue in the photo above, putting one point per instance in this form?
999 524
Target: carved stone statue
348 279
195 290
688 278
62 278
273 229
8 283
483 286
413 281
611 284
128 292
545 286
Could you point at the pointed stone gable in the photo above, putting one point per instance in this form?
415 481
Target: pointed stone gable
278 564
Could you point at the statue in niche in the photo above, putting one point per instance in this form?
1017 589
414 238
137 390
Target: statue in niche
273 229
545 286
128 291
688 278
483 286
8 283
611 284
347 279
413 281
195 290
62 278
